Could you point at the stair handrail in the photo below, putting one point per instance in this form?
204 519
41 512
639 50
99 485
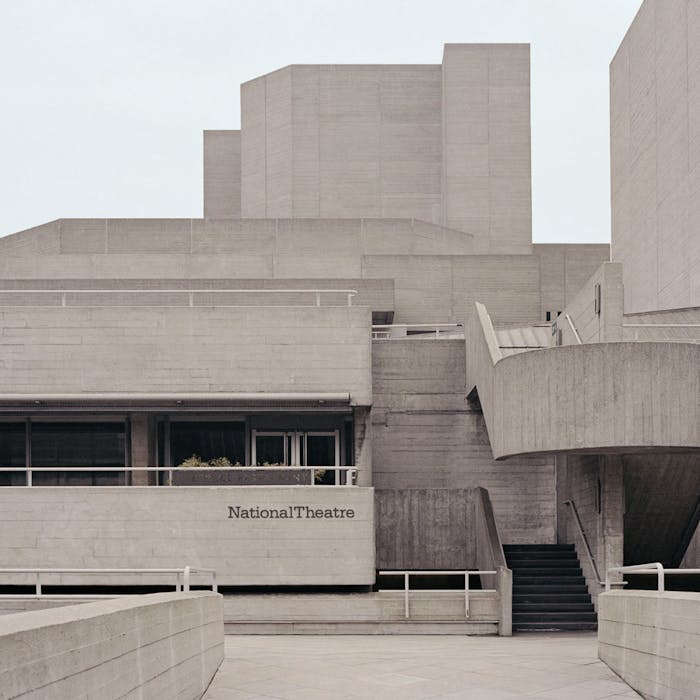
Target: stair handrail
589 554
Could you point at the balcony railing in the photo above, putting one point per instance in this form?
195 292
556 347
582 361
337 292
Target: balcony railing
293 476
398 331
185 297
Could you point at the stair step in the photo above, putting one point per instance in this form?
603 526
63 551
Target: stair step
543 563
543 547
549 606
559 588
550 598
526 556
554 616
554 626
546 571
525 580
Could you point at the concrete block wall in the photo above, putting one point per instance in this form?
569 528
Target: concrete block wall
564 270
151 527
222 174
593 325
186 349
655 146
652 641
166 645
486 181
342 141
426 435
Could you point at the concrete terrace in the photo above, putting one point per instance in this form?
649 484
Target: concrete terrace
540 666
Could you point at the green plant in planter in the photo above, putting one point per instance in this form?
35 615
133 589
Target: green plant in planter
196 461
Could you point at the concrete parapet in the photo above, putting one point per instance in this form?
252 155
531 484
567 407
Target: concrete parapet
652 641
165 645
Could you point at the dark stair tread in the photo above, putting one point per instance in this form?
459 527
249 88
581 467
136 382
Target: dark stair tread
532 563
547 616
543 547
555 626
547 606
548 572
529 590
525 556
550 598
524 580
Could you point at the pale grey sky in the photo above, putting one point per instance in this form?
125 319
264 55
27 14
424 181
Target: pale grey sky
103 101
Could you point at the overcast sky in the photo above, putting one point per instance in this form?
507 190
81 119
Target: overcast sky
103 101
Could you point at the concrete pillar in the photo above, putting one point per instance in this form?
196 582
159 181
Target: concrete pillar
363 444
504 585
611 543
143 448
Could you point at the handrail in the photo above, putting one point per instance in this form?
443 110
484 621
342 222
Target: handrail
573 328
407 573
654 567
350 471
183 579
382 331
586 546
350 293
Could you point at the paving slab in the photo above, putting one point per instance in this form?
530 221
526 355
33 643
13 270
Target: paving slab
533 666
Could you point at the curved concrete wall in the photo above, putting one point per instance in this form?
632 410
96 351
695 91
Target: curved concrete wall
166 645
598 397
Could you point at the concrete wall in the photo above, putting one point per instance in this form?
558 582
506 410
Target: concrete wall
655 135
202 349
486 183
222 174
342 141
594 325
147 527
167 645
426 435
564 269
652 641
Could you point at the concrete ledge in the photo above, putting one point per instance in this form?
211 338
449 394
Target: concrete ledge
652 641
165 645
443 627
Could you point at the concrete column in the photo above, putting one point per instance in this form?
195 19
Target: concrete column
143 448
505 591
363 444
611 543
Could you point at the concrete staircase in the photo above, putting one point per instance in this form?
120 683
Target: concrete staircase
549 590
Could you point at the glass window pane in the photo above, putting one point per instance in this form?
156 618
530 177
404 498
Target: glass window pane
269 449
12 453
208 441
78 444
320 450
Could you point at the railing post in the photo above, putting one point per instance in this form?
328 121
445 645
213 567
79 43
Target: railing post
178 583
214 585
29 476
170 477
186 577
349 299
661 579
37 584
406 610
318 298
466 594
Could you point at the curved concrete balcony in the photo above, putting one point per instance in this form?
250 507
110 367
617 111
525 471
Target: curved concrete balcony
598 397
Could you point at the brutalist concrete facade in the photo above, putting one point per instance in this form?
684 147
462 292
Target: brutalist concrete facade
362 295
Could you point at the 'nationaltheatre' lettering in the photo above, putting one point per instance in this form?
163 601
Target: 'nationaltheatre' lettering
295 512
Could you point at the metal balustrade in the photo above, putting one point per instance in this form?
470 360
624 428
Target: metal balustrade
389 331
183 580
407 587
189 294
350 473
651 568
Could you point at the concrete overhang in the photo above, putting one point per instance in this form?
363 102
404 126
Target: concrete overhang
173 402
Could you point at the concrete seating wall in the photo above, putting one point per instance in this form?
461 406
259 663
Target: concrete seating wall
652 641
165 645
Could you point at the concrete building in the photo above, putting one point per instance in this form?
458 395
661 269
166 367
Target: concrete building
358 362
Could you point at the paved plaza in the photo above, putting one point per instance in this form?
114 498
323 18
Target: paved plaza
556 667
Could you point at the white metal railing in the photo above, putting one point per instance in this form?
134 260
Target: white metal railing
573 328
652 568
587 547
182 582
189 293
349 472
387 331
407 585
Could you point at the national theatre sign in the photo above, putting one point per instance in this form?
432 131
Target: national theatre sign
289 512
